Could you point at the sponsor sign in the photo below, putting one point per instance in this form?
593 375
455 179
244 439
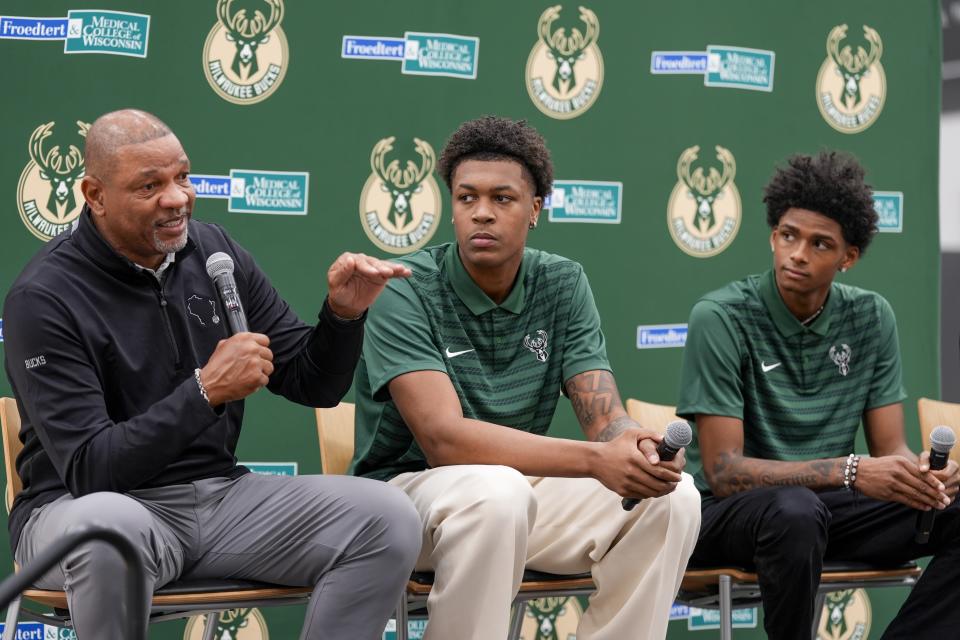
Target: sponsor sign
661 336
678 62
272 468
889 207
372 48
415 629
1 329
679 612
585 201
112 32
207 186
704 209
705 619
277 192
851 84
24 28
739 68
440 54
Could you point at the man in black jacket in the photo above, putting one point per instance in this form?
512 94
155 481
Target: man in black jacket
131 394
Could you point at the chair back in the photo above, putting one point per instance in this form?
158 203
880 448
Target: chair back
651 416
335 430
10 423
934 413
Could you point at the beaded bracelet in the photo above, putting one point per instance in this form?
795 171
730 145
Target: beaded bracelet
203 391
850 471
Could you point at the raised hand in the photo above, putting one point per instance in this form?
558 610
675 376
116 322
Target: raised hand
354 281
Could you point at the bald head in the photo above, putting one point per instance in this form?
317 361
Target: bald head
117 129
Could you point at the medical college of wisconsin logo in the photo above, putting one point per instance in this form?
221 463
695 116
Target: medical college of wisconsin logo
232 624
554 618
704 211
400 207
846 616
851 87
564 73
48 194
245 57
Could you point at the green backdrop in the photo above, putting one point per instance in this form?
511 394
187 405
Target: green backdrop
326 113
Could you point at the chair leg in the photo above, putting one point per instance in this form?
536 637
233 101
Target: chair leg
818 603
403 625
210 629
726 609
13 612
516 619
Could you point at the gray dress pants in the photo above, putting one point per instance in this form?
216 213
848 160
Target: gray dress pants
354 540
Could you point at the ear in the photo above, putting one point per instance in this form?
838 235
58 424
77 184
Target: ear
92 189
537 208
850 258
773 235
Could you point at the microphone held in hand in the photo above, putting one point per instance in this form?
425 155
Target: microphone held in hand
941 442
220 270
677 435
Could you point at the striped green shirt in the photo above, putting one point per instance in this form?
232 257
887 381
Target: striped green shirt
800 391
507 362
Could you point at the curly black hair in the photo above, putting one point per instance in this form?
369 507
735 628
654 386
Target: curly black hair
830 183
494 138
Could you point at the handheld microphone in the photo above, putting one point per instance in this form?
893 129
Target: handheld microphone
220 270
676 436
941 442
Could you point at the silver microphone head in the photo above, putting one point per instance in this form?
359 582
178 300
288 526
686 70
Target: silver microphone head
678 434
942 439
218 264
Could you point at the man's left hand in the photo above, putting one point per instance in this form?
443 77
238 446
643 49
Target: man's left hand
354 281
949 475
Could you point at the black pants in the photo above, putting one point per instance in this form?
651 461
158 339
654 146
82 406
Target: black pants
785 534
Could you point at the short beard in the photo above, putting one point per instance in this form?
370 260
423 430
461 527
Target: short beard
172 246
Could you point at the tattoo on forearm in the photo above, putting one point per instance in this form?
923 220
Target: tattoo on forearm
732 473
615 428
593 395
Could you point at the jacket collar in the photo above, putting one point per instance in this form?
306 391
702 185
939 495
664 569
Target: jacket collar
88 239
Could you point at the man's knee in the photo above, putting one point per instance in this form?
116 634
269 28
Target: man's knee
499 496
795 515
685 505
400 530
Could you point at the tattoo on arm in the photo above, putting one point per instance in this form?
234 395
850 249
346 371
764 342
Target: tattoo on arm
732 473
594 397
615 428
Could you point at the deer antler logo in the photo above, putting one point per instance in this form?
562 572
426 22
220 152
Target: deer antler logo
401 184
554 618
846 616
248 33
851 85
705 188
537 345
564 72
233 624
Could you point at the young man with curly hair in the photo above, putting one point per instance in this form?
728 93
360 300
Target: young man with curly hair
462 368
779 370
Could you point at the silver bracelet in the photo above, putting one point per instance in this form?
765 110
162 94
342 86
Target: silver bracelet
203 391
850 471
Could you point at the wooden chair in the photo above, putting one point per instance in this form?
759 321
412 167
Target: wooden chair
728 588
335 428
180 599
934 413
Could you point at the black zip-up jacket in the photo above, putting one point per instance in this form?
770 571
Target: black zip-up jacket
101 359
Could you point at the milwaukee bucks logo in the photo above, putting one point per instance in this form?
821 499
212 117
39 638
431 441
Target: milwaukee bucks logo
554 618
565 73
703 213
233 624
851 86
400 203
245 57
846 616
48 194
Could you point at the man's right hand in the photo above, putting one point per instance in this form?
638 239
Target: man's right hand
630 467
899 479
238 366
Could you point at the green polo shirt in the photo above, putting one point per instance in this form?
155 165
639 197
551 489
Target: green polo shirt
800 391
507 362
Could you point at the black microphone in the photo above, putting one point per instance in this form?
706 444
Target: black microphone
220 270
941 441
677 435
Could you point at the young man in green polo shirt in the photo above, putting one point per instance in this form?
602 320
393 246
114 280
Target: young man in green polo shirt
779 370
462 368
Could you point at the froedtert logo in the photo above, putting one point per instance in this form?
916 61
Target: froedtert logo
585 201
48 194
661 336
400 207
282 192
704 211
112 32
851 86
565 73
245 57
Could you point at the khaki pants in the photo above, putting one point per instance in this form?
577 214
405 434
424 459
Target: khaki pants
483 524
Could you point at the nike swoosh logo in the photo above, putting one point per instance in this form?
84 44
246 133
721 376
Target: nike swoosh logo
769 367
454 354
